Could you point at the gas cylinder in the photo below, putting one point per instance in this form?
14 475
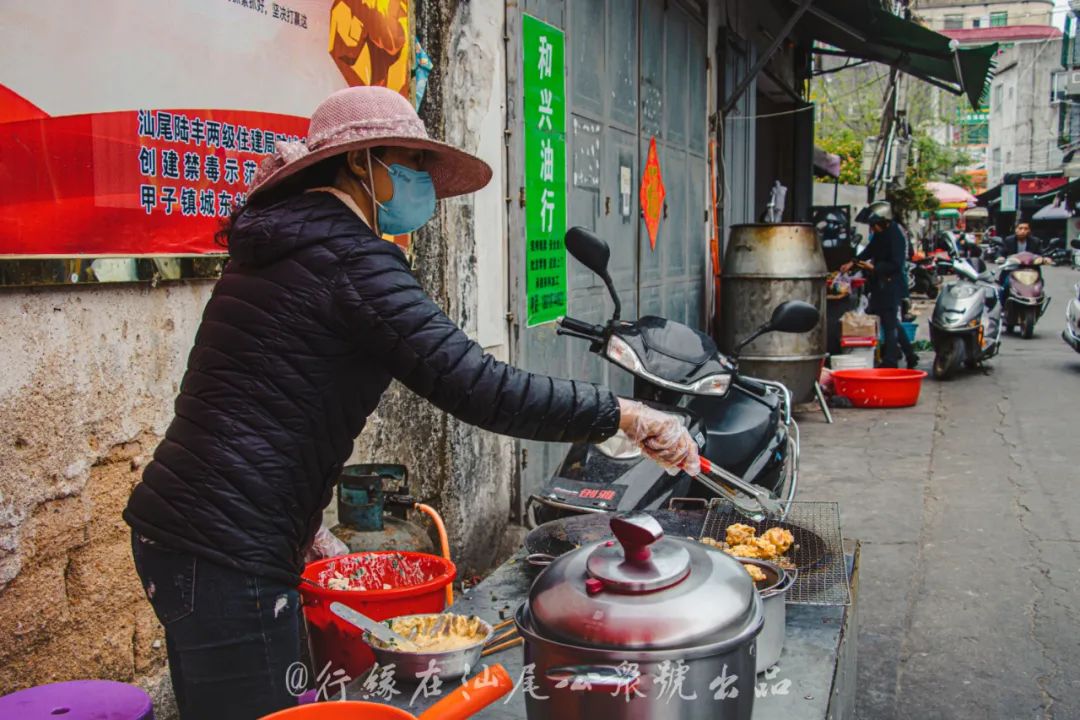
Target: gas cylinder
371 517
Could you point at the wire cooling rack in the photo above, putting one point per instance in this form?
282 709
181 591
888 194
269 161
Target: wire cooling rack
817 555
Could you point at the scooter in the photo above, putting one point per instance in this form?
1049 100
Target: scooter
1057 252
965 326
743 426
1071 333
924 276
1025 296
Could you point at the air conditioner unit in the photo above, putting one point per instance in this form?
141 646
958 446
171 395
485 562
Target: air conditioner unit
1074 5
869 153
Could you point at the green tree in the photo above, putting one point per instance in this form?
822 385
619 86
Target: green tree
845 144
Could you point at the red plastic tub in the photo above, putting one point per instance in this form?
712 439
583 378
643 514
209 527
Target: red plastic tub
879 387
416 584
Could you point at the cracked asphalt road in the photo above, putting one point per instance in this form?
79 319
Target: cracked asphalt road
968 506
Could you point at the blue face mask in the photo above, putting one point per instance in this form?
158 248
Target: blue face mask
413 203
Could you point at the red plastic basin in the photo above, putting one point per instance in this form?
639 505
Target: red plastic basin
342 710
417 585
879 387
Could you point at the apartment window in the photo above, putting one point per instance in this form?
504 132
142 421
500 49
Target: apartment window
997 97
954 22
977 22
999 19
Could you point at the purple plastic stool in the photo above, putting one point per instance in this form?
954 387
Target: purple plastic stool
78 700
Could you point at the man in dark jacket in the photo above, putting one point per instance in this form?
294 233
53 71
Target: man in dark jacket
885 254
1021 241
314 316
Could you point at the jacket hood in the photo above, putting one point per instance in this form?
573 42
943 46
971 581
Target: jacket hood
263 235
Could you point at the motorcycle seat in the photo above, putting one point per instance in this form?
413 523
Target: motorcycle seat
671 350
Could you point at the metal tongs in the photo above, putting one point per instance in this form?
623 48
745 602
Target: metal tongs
758 506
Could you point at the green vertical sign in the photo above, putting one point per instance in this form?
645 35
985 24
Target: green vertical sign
545 171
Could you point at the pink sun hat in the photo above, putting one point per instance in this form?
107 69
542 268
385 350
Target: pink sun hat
366 117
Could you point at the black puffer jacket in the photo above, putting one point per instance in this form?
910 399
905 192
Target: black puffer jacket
311 320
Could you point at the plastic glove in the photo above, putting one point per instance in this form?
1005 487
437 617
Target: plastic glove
661 436
325 545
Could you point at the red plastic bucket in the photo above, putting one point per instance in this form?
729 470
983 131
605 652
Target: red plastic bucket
880 387
415 583
347 710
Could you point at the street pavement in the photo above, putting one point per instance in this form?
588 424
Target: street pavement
968 508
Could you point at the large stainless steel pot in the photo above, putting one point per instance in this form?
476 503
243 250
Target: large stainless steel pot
649 627
773 591
764 265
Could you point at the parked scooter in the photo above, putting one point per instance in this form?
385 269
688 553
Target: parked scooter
924 276
1057 252
965 326
742 425
1025 295
1071 333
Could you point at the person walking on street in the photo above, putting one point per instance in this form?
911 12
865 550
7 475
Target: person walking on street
885 256
314 316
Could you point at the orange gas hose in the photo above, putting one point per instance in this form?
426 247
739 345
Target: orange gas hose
444 542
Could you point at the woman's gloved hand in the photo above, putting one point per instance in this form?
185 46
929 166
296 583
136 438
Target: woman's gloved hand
660 435
325 545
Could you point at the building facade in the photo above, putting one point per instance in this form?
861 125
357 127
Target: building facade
974 24
942 15
1023 115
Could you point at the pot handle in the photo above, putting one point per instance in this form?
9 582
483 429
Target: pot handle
595 678
782 587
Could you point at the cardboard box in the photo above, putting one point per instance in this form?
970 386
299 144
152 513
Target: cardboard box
855 324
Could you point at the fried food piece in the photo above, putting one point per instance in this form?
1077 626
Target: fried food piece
780 537
756 573
711 542
739 534
768 550
746 551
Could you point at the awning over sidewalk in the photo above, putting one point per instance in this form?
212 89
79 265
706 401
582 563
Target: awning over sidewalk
861 29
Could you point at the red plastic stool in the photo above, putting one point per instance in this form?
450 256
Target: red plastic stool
78 700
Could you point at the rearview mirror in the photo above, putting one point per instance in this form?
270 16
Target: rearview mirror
593 253
587 249
794 316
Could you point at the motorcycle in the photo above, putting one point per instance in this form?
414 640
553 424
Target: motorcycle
742 425
965 327
1071 333
1025 296
1057 252
924 276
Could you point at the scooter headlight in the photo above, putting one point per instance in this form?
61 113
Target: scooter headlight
619 352
962 291
1027 277
716 385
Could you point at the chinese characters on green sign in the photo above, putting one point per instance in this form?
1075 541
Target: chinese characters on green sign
545 171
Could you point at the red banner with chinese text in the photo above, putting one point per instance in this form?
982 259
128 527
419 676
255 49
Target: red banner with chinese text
138 130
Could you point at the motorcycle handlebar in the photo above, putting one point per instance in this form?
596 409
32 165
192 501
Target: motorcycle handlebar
580 328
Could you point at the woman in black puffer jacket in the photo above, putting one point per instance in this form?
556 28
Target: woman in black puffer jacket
311 320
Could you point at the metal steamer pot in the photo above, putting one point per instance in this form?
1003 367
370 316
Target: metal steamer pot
773 591
646 627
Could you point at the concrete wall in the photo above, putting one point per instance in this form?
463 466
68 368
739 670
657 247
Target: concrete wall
89 377
1023 123
461 259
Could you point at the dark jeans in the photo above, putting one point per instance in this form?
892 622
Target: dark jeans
231 637
888 311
